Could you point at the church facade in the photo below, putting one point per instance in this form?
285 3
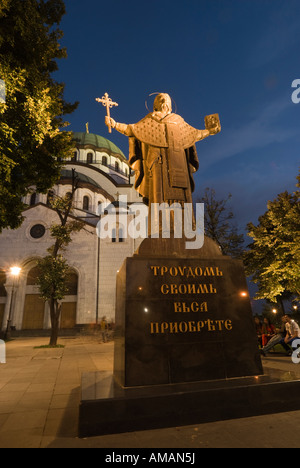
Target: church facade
104 176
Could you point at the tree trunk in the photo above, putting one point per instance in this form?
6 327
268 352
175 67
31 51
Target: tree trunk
55 309
280 300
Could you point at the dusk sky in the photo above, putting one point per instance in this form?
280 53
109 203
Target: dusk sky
235 57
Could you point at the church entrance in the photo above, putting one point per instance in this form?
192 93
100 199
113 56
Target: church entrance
69 306
68 315
34 307
34 311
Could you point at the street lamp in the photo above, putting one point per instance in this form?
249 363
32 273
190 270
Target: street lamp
15 272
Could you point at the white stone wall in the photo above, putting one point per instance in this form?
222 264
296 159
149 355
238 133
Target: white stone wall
87 255
19 248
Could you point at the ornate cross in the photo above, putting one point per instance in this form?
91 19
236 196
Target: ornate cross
108 103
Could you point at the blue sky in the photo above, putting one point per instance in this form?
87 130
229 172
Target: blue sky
235 57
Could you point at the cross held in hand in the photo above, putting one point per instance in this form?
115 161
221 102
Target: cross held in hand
108 103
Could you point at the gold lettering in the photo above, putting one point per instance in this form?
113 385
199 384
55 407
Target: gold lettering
195 307
209 271
173 327
210 325
190 273
155 269
202 289
191 288
181 270
173 271
198 271
165 289
220 323
190 326
177 307
182 288
183 327
154 325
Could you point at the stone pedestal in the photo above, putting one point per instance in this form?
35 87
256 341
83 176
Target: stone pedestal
186 348
183 320
107 408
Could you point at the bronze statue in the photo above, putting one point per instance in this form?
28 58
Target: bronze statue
162 152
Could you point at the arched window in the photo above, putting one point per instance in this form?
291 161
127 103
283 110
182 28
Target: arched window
90 158
86 203
121 236
33 199
74 158
72 283
50 197
104 161
117 166
33 275
118 235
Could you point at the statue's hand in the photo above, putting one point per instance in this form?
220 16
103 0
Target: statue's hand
109 122
215 130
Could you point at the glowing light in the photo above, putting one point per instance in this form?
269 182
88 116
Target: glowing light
146 310
274 311
15 271
244 294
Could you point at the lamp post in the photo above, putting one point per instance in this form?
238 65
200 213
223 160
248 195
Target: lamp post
15 273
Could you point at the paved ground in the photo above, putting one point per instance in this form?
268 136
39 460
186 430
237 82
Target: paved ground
40 393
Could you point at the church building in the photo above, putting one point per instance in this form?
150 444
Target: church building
104 176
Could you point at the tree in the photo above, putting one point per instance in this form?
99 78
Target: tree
32 144
273 258
52 280
219 226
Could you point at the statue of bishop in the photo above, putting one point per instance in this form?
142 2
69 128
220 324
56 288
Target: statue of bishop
162 152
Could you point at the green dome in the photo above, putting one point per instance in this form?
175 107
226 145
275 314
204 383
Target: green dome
99 142
67 174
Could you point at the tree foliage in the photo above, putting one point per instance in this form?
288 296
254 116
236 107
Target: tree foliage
273 258
32 144
54 268
219 225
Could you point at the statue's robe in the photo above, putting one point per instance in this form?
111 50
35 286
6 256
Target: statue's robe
162 152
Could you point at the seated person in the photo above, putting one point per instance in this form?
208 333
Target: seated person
268 331
292 337
279 338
